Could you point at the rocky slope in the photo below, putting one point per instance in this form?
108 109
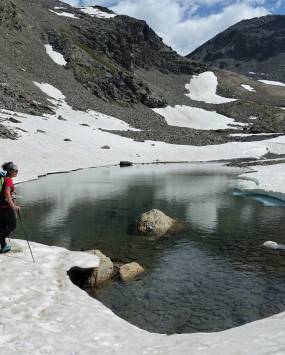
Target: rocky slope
101 54
251 46
117 66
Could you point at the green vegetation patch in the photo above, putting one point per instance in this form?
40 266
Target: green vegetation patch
98 57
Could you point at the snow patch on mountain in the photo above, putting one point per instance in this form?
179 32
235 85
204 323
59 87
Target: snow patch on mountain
50 91
57 57
269 82
248 87
64 14
95 12
253 134
43 137
203 87
196 118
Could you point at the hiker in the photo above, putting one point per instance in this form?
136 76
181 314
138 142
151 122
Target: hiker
8 208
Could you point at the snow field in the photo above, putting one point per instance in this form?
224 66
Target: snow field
94 12
57 57
196 118
45 136
203 87
252 134
269 82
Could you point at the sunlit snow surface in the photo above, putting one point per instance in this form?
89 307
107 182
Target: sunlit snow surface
248 87
252 134
196 118
50 90
269 82
95 12
46 136
273 245
267 179
203 87
57 57
64 14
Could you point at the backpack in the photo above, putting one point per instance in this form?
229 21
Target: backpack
2 175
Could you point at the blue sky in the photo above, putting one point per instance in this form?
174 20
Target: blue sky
186 24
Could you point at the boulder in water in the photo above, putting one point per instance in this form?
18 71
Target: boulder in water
154 223
103 272
130 271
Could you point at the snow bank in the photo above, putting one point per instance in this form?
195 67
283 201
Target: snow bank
64 14
44 137
203 87
252 134
268 179
47 314
269 82
248 88
197 118
57 57
95 12
50 91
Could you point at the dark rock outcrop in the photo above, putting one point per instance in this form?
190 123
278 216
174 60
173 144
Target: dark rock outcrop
250 46
104 55
9 15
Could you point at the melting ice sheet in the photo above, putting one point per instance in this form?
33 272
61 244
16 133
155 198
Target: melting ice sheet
267 201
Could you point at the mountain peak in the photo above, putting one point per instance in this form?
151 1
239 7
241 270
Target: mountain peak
256 45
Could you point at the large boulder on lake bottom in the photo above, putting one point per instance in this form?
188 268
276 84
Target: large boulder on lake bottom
130 271
103 272
154 223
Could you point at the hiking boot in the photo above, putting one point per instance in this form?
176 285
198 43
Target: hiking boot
5 249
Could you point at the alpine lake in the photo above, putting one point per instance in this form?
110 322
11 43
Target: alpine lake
212 275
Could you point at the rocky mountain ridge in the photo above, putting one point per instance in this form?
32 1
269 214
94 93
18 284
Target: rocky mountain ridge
252 47
101 54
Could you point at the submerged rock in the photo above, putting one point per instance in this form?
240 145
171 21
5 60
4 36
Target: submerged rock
130 271
103 272
154 223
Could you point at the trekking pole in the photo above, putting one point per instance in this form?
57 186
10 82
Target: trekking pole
26 236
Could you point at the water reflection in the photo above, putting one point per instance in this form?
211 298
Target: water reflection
212 276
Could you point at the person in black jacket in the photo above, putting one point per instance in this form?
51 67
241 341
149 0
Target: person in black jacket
8 209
